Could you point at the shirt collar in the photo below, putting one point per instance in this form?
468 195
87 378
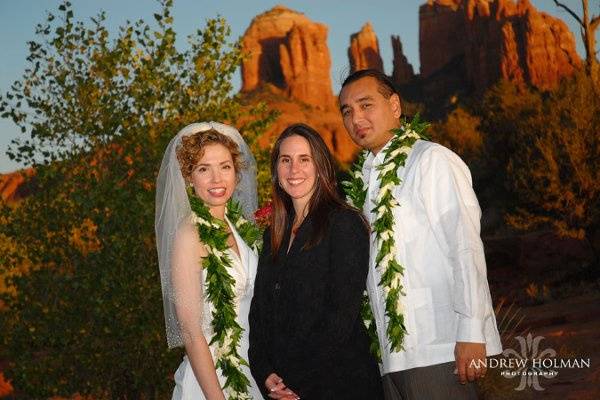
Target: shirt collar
373 160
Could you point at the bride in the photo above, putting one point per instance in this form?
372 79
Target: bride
207 258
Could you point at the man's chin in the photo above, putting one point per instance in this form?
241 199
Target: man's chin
361 141
365 144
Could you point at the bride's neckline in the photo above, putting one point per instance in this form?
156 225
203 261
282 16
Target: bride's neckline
237 246
237 256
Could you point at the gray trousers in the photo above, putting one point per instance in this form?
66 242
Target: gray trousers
435 382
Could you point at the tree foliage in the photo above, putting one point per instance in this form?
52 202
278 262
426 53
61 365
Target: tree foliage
499 112
556 175
97 114
460 132
545 151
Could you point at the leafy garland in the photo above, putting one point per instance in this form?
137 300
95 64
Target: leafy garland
395 155
220 290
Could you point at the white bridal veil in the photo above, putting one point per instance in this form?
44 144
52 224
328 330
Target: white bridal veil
172 207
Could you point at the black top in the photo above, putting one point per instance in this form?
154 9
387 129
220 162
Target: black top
305 322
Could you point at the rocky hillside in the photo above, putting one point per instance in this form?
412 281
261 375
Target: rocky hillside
484 41
289 68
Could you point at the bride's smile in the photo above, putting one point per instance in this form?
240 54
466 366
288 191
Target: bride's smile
214 176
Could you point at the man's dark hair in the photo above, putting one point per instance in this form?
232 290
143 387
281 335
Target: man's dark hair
385 85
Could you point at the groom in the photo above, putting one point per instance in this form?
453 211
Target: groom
437 331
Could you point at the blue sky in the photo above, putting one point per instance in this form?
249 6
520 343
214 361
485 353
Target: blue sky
344 17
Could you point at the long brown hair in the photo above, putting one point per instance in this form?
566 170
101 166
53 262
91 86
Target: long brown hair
324 198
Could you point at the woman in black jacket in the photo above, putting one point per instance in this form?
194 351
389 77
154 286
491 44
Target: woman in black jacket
307 338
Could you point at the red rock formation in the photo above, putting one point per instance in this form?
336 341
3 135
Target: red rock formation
441 34
403 72
13 185
288 69
288 51
328 122
363 52
306 65
496 39
550 48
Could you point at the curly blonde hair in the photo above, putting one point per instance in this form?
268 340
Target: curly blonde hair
192 148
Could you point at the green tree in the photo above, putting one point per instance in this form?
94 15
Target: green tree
97 114
555 172
460 132
503 108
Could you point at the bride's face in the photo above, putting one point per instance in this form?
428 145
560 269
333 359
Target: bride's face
214 176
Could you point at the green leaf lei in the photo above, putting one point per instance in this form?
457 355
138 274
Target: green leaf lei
395 155
220 290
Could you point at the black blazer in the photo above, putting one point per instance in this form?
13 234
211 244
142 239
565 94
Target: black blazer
305 322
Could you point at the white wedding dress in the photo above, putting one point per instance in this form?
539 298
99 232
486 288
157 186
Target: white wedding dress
244 273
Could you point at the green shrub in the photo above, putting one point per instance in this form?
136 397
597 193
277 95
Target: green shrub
97 115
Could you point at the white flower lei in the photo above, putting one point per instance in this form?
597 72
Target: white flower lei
220 291
395 155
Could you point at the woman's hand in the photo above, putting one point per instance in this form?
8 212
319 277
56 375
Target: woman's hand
277 389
